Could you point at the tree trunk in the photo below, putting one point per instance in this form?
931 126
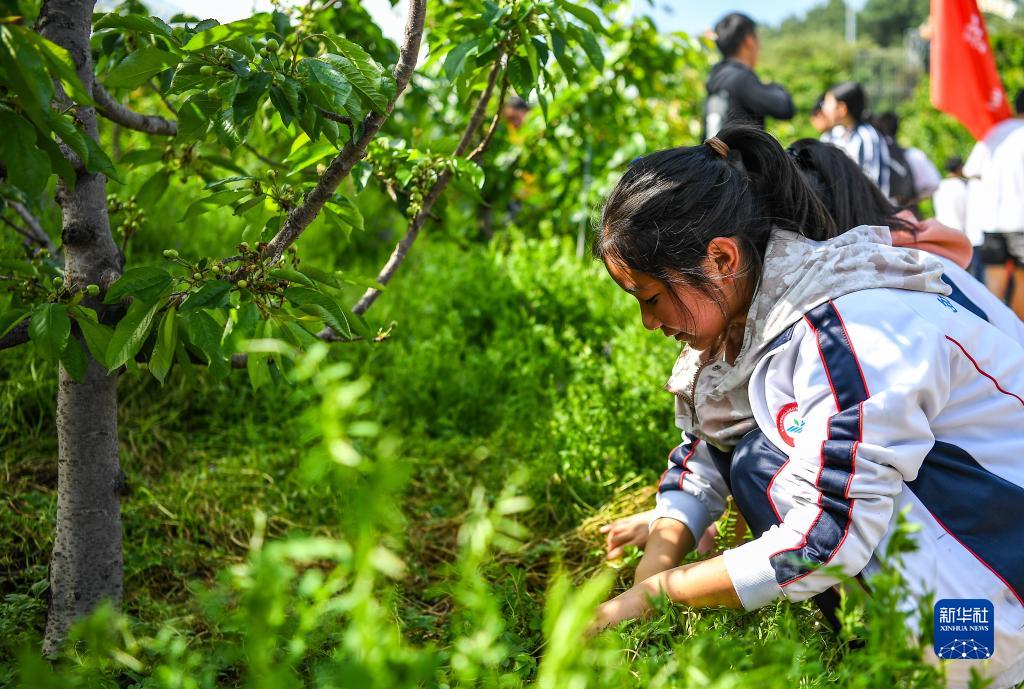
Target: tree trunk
86 565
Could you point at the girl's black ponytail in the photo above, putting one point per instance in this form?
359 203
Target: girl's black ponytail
669 205
776 179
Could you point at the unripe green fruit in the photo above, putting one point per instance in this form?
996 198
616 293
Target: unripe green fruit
197 276
273 45
92 290
213 93
58 281
170 253
206 70
216 270
243 284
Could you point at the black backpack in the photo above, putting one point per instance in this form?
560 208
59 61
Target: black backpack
902 189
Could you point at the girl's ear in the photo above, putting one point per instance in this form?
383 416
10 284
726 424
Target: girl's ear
724 259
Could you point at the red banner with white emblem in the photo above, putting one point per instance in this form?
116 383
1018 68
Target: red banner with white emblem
964 80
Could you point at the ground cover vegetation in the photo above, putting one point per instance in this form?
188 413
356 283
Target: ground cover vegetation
311 491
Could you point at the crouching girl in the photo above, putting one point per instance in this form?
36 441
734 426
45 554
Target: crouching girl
828 383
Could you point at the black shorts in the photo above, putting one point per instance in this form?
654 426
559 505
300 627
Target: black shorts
1001 247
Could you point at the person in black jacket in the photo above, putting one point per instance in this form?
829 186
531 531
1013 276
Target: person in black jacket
735 94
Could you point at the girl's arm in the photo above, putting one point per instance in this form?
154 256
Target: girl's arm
667 544
701 584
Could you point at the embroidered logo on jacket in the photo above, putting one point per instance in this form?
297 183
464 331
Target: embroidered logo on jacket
788 423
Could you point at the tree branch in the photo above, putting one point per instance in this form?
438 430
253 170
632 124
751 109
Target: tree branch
353 151
33 231
114 111
494 121
18 335
402 248
335 117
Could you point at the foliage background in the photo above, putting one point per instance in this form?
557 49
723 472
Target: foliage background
423 511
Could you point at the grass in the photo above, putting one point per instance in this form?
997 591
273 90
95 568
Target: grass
510 367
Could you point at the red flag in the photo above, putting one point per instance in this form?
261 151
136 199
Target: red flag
964 79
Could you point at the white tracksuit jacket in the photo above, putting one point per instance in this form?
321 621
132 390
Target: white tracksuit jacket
882 400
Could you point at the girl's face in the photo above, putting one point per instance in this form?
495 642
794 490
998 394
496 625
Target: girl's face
683 312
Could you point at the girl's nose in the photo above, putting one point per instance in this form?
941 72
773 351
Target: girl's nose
650 322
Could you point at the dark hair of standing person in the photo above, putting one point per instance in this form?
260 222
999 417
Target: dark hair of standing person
954 165
850 197
669 205
730 32
517 103
852 94
1018 102
888 123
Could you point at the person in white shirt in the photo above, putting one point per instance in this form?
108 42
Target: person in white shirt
950 204
995 205
830 383
844 106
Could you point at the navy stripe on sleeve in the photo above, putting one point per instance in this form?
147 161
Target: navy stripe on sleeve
673 477
838 451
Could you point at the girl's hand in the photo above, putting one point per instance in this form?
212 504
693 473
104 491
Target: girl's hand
626 606
630 530
707 540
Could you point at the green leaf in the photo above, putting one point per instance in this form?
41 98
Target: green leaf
211 295
32 170
194 117
187 76
309 154
139 66
292 276
323 277
142 156
136 23
25 73
467 169
359 69
143 283
97 336
62 66
455 61
346 211
205 333
324 84
590 46
320 305
131 331
9 319
213 202
49 329
221 33
163 350
228 180
520 75
584 14
246 206
153 188
229 132
245 103
285 98
99 161
74 360
258 364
